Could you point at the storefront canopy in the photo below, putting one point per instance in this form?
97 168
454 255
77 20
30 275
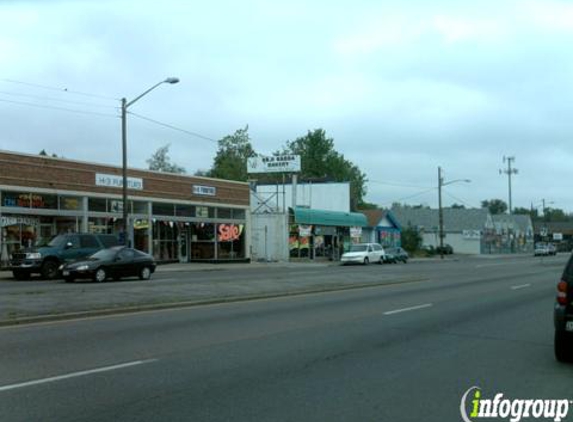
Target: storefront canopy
329 218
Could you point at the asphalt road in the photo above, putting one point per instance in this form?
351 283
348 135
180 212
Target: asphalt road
403 352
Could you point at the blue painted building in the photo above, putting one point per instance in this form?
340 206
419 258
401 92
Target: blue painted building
383 228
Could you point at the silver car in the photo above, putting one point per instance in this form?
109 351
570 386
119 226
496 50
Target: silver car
363 253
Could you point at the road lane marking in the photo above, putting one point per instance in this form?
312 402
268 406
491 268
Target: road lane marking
521 286
413 308
75 374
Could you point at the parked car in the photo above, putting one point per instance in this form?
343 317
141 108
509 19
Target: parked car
398 255
446 250
61 249
115 263
364 253
563 315
544 249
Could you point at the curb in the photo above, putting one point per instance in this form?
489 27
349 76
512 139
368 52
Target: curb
192 303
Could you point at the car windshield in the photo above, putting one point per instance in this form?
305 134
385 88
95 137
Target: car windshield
104 254
58 241
358 248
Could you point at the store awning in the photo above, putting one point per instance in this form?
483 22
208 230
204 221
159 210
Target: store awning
329 218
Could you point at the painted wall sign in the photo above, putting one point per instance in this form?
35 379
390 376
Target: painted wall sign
204 190
274 164
114 181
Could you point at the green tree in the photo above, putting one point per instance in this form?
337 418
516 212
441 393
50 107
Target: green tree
43 153
555 215
160 161
458 207
231 160
411 239
319 160
525 211
495 206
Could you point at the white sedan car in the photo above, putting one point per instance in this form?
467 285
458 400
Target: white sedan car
363 253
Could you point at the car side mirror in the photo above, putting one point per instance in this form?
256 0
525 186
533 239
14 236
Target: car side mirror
69 245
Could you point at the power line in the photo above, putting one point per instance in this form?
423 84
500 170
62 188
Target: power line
173 127
37 97
53 88
95 113
417 194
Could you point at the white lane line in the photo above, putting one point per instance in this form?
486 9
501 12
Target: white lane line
75 374
413 308
521 286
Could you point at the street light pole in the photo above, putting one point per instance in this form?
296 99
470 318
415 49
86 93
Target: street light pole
440 213
441 184
124 105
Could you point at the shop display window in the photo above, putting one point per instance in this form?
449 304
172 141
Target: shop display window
205 212
202 241
230 241
70 203
160 208
97 204
165 245
140 207
224 213
16 199
184 210
238 214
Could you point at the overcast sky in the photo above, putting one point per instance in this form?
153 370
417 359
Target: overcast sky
401 86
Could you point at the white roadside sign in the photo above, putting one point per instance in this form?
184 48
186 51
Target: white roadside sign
274 164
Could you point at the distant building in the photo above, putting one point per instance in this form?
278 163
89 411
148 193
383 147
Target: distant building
464 229
319 226
383 228
513 234
470 231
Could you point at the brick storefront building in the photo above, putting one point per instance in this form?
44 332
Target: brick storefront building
173 217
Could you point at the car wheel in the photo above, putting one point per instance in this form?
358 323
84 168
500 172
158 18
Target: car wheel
563 346
145 273
381 261
69 279
21 274
100 275
366 261
50 270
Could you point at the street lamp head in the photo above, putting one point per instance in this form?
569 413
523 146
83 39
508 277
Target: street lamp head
171 80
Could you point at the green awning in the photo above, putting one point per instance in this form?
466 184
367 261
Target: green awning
329 218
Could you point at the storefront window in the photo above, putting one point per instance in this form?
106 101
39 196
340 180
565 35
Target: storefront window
165 234
140 207
71 203
97 204
19 232
230 241
224 212
44 201
202 241
141 234
205 212
238 214
99 226
160 208
184 210
16 199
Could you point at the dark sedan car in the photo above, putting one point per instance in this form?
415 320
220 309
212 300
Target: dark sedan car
116 262
398 255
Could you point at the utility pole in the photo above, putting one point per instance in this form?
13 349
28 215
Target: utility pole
440 213
509 171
